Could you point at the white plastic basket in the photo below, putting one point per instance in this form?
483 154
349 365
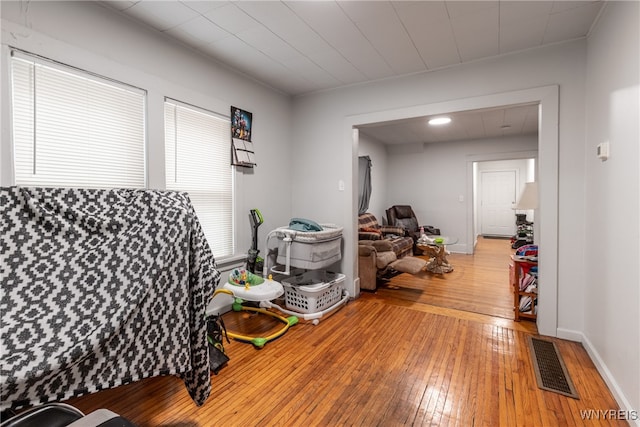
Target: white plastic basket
313 291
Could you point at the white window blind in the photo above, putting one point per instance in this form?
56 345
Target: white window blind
74 129
197 153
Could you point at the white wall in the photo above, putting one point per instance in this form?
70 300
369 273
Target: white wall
92 37
612 205
323 117
432 178
379 175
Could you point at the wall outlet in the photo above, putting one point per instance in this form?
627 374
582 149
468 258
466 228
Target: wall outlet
340 185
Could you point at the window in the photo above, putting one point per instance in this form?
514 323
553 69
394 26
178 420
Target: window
75 129
197 155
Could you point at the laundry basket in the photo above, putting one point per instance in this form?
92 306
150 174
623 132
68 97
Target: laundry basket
313 291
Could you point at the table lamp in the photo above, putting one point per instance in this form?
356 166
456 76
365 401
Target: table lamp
529 197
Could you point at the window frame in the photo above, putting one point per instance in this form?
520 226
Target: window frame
35 60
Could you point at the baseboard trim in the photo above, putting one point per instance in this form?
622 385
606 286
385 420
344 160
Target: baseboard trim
604 371
569 334
458 248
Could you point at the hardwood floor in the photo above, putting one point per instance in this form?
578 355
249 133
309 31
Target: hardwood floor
479 283
381 360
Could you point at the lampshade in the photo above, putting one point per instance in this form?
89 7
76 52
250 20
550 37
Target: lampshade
529 197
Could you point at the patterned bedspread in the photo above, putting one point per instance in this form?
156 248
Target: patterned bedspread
101 288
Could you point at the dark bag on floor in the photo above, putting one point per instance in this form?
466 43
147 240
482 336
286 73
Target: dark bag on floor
216 333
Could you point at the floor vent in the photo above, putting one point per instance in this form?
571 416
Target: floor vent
551 372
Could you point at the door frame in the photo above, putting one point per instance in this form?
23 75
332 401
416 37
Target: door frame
471 191
547 98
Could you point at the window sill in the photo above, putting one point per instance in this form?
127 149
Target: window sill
232 261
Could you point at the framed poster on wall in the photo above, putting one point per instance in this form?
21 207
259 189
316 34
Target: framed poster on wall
241 143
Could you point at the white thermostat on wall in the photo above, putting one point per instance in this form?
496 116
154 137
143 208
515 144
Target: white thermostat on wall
602 150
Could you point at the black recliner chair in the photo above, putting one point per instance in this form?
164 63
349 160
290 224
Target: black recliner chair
63 415
403 216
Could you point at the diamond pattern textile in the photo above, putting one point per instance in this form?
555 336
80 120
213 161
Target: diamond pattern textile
101 288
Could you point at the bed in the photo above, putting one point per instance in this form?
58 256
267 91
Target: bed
101 288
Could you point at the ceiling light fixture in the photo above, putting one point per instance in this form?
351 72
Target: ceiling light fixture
440 121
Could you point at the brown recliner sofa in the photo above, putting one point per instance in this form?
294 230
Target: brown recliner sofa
369 230
374 256
382 250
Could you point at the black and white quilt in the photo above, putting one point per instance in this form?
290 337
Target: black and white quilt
101 288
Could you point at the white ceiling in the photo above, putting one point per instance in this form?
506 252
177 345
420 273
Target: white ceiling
514 120
298 47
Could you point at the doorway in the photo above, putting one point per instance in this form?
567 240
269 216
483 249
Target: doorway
497 185
547 99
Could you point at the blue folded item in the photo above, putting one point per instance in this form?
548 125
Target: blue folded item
301 224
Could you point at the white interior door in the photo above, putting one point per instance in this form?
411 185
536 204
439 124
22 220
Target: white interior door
498 194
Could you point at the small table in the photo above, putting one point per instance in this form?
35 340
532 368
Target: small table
437 251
